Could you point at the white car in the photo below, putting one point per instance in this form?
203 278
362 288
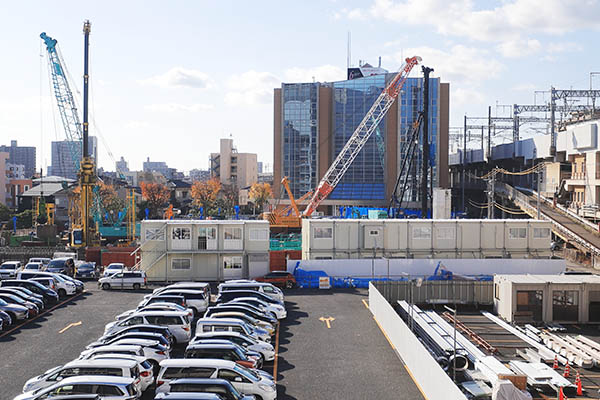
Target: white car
194 299
202 286
155 307
113 268
177 322
243 379
34 266
153 350
45 261
124 349
123 280
266 349
121 388
277 309
145 366
64 287
263 287
231 325
9 269
124 368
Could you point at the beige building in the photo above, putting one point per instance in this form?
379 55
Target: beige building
3 176
233 168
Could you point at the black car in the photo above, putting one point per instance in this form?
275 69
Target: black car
86 271
142 328
229 295
50 296
64 265
23 296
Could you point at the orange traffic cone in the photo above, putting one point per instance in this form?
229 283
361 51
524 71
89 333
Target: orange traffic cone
561 395
555 365
567 370
578 383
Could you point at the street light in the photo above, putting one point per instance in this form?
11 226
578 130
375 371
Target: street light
453 311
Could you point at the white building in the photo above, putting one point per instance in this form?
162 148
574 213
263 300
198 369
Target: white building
548 298
204 250
420 238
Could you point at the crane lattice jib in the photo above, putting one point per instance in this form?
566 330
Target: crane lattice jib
360 136
64 99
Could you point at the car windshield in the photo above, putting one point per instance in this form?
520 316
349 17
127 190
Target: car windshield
114 266
253 376
85 266
13 298
56 264
3 303
9 266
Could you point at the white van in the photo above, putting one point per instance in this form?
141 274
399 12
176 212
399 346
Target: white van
124 280
177 322
266 288
124 368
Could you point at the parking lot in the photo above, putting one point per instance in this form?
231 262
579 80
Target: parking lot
349 359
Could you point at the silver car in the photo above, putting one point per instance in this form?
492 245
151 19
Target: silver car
108 387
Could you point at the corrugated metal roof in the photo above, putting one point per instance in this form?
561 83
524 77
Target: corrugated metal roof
543 279
48 188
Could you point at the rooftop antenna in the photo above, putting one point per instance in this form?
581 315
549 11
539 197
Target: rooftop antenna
349 50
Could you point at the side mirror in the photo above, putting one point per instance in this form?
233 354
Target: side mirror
59 378
237 379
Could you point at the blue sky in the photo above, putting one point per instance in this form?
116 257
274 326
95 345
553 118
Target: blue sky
171 78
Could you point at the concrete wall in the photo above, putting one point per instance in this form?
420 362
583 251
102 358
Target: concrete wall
431 379
406 238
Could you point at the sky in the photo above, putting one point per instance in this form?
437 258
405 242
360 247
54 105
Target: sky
169 79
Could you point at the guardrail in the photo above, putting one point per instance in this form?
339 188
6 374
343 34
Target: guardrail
430 378
438 292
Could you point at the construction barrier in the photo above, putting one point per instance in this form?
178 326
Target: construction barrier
431 379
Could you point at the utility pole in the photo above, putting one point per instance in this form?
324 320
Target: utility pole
489 143
425 173
539 184
464 163
490 195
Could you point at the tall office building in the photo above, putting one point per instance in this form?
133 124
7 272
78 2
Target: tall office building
24 155
313 122
66 156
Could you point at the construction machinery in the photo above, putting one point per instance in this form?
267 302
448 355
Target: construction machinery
282 218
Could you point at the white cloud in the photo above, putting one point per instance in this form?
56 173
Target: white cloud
564 47
519 48
175 107
251 88
323 73
465 96
178 77
524 87
138 125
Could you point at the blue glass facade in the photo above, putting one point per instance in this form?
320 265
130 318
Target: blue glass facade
365 179
300 136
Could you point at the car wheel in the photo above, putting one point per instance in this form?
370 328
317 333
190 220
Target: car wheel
136 286
289 284
62 293
106 286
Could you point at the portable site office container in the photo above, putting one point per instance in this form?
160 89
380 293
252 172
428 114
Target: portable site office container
405 238
204 250
548 298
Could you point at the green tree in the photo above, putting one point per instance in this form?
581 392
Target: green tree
25 219
5 213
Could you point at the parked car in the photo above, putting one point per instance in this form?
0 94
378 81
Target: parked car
265 349
221 387
123 280
153 349
279 278
50 282
108 387
163 330
14 291
156 307
6 319
188 396
124 349
133 335
257 324
44 260
177 322
231 325
123 368
50 296
79 285
246 309
278 310
221 351
250 354
194 299
9 269
26 292
16 312
224 297
63 265
86 270
202 286
113 268
145 366
14 299
245 380
265 288
34 266
64 287
179 300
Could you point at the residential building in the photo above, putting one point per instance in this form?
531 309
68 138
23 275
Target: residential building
55 190
66 156
259 167
199 175
204 250
15 171
156 166
22 155
14 188
3 178
313 122
122 165
233 168
425 238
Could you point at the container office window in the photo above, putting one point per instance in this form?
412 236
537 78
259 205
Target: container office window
232 238
322 233
181 238
529 304
541 233
232 262
207 238
155 234
517 233
565 305
181 263
181 234
423 232
259 234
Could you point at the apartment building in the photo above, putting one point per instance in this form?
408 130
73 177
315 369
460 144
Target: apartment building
233 168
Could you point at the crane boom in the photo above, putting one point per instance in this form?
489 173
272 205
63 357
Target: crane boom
360 136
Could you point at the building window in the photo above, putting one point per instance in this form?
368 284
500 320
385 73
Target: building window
181 234
259 234
155 234
204 235
181 263
541 233
565 305
232 262
423 232
530 304
232 233
322 233
517 233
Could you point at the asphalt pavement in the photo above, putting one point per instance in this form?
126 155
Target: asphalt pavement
40 345
349 359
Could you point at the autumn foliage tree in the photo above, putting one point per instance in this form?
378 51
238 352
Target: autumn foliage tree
205 193
111 202
156 195
260 193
